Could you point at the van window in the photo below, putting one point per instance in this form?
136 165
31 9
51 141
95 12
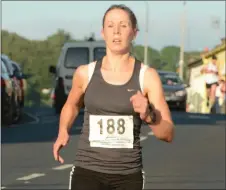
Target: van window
99 52
76 57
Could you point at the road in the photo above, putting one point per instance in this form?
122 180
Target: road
195 160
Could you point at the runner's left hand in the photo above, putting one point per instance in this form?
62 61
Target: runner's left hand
140 104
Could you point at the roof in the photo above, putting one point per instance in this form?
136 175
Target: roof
195 61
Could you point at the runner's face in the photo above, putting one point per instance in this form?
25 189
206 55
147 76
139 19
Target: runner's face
118 31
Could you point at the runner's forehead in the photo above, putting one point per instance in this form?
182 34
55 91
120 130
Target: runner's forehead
117 15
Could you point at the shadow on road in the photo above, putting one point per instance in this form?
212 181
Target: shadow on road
29 130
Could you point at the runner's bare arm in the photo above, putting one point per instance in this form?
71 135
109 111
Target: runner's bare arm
164 127
75 99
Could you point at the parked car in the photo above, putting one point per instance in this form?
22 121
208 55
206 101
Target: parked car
21 80
8 97
73 54
174 90
16 90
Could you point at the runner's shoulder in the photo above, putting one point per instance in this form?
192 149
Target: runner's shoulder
151 78
150 73
82 71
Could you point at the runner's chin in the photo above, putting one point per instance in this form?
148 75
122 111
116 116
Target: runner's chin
119 48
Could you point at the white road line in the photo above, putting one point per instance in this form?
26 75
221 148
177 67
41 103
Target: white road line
150 133
31 176
63 167
34 117
3 187
32 122
142 138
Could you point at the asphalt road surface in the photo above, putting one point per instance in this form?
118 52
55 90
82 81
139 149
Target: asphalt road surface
195 160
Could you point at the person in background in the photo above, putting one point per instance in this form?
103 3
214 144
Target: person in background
222 71
211 78
220 97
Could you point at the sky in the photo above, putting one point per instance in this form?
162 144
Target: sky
39 19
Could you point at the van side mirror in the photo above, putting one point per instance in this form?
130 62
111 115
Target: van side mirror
52 69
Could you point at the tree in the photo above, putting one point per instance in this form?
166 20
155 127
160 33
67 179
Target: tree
170 55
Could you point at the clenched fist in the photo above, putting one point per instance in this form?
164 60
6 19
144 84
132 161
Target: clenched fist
140 104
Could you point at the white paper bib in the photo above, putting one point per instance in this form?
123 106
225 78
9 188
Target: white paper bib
111 131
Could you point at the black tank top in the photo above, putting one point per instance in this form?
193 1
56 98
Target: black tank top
113 101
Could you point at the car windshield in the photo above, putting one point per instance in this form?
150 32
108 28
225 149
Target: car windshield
3 68
170 79
76 57
99 52
8 66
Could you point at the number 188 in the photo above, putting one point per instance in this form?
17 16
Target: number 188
111 126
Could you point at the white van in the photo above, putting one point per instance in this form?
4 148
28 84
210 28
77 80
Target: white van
73 54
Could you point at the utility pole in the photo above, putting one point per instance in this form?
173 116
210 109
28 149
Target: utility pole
181 62
146 34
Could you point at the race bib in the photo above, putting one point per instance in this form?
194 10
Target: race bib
111 131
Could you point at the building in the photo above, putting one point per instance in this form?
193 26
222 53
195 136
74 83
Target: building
197 101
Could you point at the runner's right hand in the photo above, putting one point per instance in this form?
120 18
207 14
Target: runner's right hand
61 141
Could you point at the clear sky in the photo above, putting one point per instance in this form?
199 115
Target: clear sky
38 19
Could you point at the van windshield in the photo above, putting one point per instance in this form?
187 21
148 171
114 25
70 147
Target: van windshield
99 52
76 57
